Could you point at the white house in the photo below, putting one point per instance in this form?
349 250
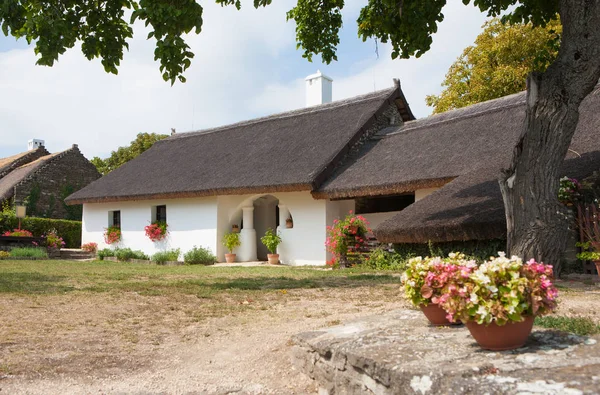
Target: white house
253 174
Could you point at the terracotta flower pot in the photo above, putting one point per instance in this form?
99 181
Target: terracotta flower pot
435 314
273 259
229 258
235 229
497 338
289 224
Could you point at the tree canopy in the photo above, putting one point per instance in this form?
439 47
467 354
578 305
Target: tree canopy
122 155
103 30
498 64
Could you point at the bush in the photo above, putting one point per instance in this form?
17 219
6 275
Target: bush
69 230
480 250
380 259
107 252
582 326
28 252
125 254
4 254
166 256
199 256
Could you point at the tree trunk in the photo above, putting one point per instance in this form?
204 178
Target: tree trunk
537 223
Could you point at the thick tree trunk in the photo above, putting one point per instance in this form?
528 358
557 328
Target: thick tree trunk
537 223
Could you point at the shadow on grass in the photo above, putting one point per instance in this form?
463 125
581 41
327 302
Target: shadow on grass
32 283
262 283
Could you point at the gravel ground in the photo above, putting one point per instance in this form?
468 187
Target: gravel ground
107 343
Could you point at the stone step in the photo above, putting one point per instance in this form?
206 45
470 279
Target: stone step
72 253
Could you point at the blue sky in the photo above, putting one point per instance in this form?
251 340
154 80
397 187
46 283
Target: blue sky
246 66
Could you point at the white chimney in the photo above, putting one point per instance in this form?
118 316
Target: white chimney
318 89
34 144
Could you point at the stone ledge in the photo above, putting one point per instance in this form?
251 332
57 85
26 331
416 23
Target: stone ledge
399 353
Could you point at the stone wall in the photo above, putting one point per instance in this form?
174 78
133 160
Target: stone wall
44 192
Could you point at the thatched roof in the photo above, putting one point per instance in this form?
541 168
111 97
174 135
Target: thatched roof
291 151
470 207
12 179
12 162
429 152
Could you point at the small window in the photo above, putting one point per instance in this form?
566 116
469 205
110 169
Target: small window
114 219
160 214
384 204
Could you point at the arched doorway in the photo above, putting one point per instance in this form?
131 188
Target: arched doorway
266 216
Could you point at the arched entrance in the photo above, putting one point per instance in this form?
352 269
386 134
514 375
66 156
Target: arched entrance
254 217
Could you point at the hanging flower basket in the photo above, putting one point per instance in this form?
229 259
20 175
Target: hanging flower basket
156 231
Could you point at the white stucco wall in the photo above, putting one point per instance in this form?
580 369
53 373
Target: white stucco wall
304 244
191 222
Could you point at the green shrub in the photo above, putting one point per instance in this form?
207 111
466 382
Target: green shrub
106 252
4 254
166 256
380 259
199 256
70 231
271 240
28 252
125 254
231 240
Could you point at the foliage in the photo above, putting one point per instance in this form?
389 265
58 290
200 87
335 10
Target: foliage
498 64
28 252
166 256
69 230
104 253
53 239
156 231
18 233
479 250
427 279
122 155
4 254
8 208
90 247
231 241
501 290
271 240
588 253
569 191
582 326
31 200
381 259
199 256
125 254
112 235
347 233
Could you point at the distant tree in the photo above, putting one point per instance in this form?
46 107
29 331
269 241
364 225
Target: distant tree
498 64
122 155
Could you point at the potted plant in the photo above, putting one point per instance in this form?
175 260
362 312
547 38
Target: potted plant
112 235
499 301
344 234
426 281
231 241
156 231
289 223
235 228
271 240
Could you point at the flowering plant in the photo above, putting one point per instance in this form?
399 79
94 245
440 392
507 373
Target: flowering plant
156 231
347 233
18 233
90 247
426 280
54 240
112 235
502 290
568 190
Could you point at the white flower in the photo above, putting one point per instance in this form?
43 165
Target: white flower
473 297
492 288
501 254
482 312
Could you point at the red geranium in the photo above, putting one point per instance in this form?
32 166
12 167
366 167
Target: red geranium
18 233
156 231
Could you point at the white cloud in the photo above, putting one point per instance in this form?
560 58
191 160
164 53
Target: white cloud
241 70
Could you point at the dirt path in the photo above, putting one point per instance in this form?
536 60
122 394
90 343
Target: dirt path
240 353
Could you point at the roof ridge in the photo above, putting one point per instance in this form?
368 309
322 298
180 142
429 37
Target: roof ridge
457 114
288 114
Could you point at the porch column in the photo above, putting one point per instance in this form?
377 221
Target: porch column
247 251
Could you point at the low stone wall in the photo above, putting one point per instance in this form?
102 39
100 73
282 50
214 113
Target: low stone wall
399 353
